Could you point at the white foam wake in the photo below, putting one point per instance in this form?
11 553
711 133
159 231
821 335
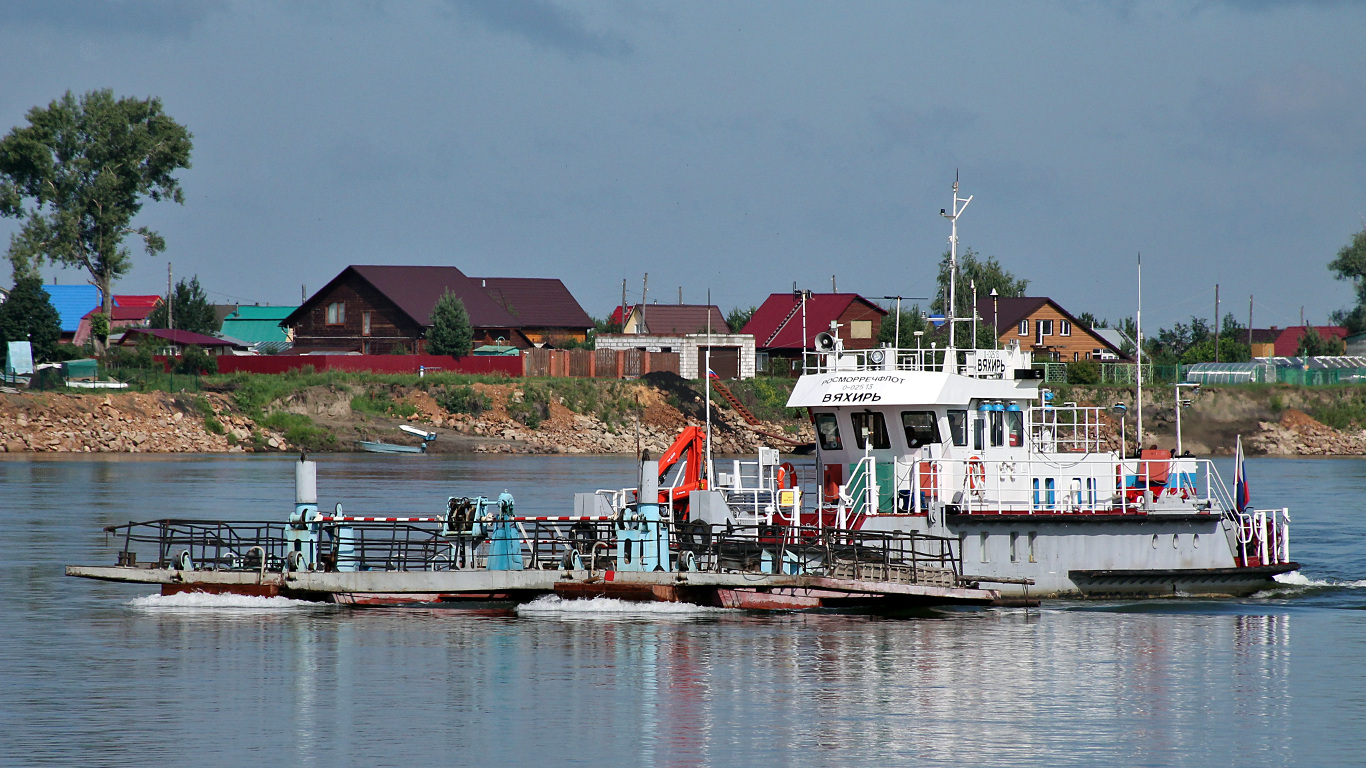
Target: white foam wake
551 606
1297 579
204 601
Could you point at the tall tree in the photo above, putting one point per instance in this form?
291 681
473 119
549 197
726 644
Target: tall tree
28 315
737 317
1351 265
986 273
190 310
450 333
79 172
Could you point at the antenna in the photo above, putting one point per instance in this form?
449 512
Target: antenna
953 257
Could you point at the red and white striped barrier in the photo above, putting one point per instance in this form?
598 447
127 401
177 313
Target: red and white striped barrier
565 519
350 519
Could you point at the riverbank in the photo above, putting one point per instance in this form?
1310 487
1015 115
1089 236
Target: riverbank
251 414
319 413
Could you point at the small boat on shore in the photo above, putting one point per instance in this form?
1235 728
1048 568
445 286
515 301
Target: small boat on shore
375 446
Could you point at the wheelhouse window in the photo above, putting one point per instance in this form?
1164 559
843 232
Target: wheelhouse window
979 434
828 432
336 313
870 425
1014 428
998 431
958 427
922 428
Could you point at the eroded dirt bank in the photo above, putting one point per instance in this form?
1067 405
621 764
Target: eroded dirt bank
515 417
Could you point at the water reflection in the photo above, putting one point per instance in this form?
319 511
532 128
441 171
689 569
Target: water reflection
87 679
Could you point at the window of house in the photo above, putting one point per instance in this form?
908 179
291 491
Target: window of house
336 313
958 427
365 318
365 347
1064 327
1024 327
1047 327
861 329
1077 355
869 425
828 430
922 428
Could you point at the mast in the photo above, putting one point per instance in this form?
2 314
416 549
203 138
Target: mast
1138 332
953 260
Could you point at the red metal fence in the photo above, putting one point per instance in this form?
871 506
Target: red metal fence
576 363
508 366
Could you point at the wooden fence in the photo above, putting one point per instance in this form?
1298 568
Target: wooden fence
599 363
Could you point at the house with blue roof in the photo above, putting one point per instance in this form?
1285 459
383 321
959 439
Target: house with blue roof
72 302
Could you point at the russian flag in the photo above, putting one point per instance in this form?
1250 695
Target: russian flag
712 374
1241 498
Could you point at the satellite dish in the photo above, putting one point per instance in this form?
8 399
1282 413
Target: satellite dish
825 342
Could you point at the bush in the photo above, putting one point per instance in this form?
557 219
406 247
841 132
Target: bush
1083 372
375 403
194 360
465 399
533 408
299 430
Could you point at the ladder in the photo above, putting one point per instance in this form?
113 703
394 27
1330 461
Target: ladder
729 397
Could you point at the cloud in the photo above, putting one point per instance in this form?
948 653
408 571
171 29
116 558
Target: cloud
155 17
1300 111
545 24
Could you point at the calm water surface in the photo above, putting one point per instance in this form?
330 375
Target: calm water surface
99 674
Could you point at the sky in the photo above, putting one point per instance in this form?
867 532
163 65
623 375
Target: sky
737 148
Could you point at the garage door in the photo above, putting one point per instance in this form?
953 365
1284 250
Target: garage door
725 361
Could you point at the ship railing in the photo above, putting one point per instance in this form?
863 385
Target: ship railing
1051 485
1067 428
563 543
877 359
198 544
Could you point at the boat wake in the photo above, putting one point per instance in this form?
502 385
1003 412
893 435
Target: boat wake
1296 583
203 602
609 609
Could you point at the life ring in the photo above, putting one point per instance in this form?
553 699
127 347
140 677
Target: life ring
786 477
977 473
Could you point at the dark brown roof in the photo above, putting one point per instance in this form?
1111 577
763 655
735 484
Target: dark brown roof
1010 310
536 302
678 319
416 289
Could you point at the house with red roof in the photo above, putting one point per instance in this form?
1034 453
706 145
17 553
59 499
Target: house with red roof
172 342
128 312
374 309
782 330
1285 342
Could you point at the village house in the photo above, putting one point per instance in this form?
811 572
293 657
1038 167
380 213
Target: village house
1285 342
777 326
1043 327
375 309
691 330
259 327
128 312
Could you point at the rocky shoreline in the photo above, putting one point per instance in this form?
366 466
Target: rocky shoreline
162 422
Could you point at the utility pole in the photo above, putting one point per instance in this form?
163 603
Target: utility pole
644 290
1216 322
623 305
680 295
170 299
833 289
1249 321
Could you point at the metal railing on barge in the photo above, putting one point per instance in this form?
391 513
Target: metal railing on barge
427 545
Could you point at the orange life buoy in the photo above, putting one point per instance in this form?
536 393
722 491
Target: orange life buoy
787 476
977 473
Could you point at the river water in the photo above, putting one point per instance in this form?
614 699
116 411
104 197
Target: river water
106 674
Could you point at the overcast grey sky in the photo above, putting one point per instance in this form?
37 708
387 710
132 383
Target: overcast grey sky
738 147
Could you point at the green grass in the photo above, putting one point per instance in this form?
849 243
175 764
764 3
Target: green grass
461 399
765 397
299 430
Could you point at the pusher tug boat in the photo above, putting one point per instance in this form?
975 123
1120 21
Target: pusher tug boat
942 477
